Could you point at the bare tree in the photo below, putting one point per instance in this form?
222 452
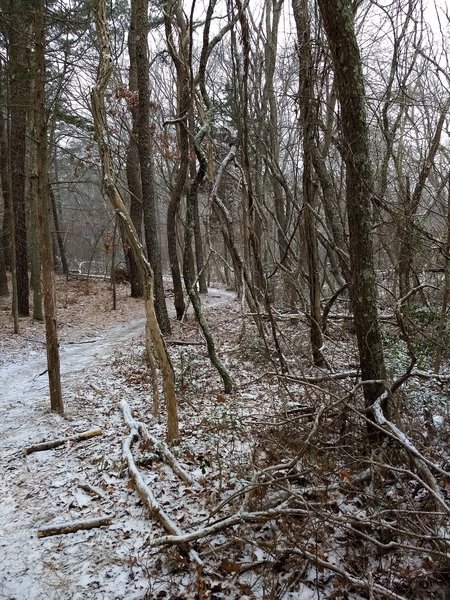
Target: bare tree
145 146
44 216
338 21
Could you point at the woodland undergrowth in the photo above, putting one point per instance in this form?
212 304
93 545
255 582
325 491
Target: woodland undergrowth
294 499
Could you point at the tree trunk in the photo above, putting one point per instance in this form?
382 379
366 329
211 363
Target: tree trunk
35 278
99 115
19 86
442 327
58 233
308 119
145 145
132 167
179 56
189 273
411 205
5 241
338 21
198 238
40 120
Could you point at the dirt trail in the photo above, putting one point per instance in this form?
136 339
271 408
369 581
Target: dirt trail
37 489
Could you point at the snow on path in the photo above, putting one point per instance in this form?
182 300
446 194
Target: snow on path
37 489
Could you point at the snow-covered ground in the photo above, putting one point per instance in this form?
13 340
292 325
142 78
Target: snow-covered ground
275 444
44 487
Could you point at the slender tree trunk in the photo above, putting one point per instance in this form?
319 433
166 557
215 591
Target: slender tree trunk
252 218
411 205
338 21
35 236
308 119
145 146
132 167
19 86
189 274
179 54
40 119
198 238
4 170
442 322
5 228
58 233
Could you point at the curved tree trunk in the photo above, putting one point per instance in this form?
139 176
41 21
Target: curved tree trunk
179 54
99 115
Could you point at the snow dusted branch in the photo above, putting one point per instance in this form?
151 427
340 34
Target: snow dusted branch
160 446
145 493
236 519
85 435
74 526
422 464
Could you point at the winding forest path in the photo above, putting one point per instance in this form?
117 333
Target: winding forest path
38 489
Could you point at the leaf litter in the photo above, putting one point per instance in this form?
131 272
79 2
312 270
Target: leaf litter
249 453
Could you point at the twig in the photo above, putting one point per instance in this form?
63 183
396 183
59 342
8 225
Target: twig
92 489
73 438
74 526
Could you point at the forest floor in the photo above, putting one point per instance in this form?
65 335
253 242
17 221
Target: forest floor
282 493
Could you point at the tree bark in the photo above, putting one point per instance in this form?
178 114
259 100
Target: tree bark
338 19
179 56
308 118
5 240
19 86
132 167
411 205
58 234
145 145
48 273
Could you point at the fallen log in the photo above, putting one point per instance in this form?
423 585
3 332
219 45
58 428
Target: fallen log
85 435
73 526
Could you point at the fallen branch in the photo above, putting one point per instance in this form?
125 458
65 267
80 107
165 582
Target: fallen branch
92 489
422 464
160 446
146 495
428 375
236 519
355 581
74 526
82 342
183 343
315 379
85 435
